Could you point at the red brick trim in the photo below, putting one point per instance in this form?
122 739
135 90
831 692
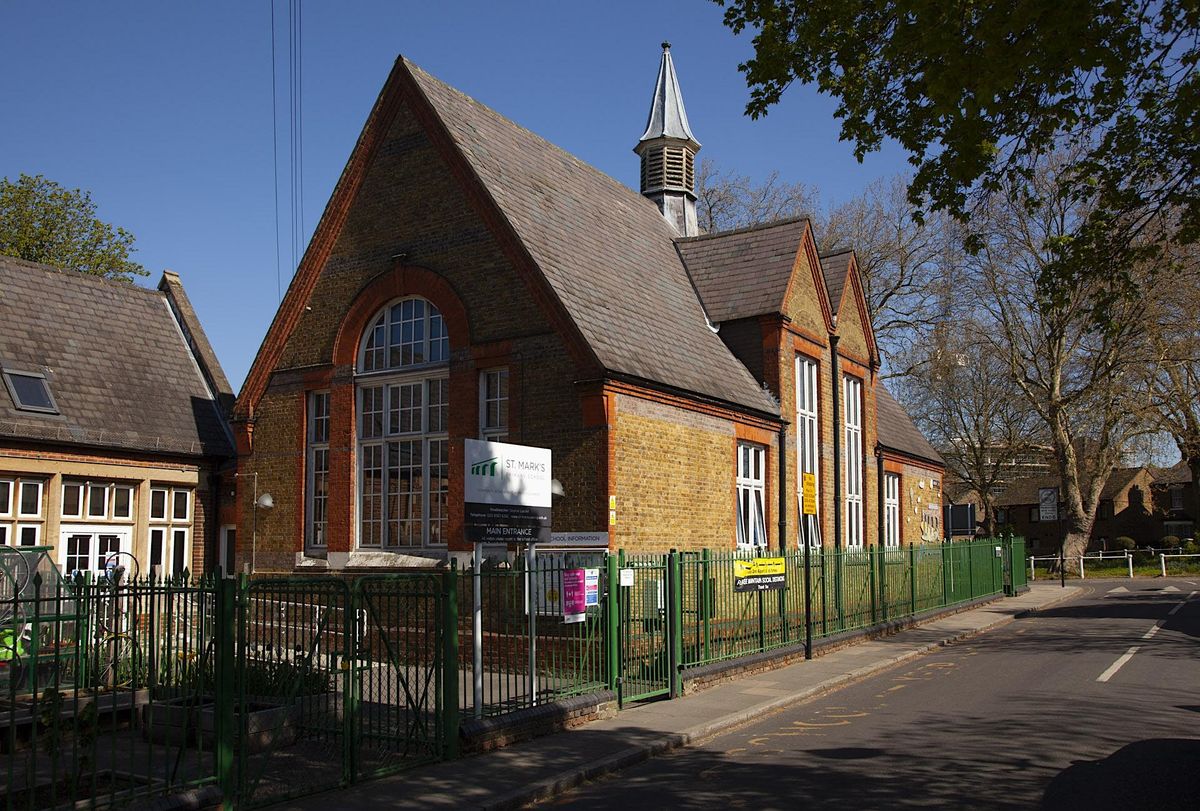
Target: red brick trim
808 247
399 282
291 309
895 457
852 366
806 344
860 301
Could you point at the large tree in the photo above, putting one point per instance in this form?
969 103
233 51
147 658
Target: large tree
1173 381
981 93
1081 378
41 221
965 401
908 267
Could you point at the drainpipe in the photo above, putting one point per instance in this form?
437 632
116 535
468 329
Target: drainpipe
783 499
837 442
879 501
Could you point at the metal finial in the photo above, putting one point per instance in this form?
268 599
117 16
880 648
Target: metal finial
666 46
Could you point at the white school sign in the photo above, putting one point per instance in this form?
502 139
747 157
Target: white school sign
506 492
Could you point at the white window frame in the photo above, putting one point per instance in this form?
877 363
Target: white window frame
498 431
82 499
175 566
751 496
41 492
397 426
90 488
808 434
5 533
187 495
164 553
123 533
852 457
6 506
1176 498
116 488
891 510
166 496
37 535
318 449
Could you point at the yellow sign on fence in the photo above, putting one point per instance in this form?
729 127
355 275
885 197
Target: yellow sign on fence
808 488
759 574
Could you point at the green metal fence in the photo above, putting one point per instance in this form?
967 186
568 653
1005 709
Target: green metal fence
116 689
849 590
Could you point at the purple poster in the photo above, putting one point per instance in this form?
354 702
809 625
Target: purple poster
574 595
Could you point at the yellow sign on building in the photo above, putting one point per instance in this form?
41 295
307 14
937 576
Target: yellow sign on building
808 489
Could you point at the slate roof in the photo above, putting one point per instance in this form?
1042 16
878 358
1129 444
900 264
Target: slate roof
606 251
1176 474
1020 492
896 429
836 267
743 273
118 365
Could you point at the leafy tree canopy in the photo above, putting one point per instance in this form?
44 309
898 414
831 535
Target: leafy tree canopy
40 221
980 93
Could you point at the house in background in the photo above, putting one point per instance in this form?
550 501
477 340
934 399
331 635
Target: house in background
469 279
1127 508
112 421
1174 500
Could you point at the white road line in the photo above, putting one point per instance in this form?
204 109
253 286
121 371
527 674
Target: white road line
1151 632
1182 603
1117 665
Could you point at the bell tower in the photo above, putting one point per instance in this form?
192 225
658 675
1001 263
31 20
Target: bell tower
668 152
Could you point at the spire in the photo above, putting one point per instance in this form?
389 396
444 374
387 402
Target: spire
668 118
668 152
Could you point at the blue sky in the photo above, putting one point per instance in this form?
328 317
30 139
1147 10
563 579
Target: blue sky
163 112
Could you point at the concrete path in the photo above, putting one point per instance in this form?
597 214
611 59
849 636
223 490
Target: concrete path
541 768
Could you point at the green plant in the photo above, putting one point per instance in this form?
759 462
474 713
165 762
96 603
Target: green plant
1124 542
284 678
1168 542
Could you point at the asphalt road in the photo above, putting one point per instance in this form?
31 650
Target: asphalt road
1092 704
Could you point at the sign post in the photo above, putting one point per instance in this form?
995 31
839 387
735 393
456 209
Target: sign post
506 499
1047 512
808 513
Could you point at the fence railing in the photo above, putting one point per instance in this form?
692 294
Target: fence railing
118 690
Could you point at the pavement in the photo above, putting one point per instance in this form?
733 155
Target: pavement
544 767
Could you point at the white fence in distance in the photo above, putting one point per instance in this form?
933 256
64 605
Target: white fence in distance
1127 556
1162 559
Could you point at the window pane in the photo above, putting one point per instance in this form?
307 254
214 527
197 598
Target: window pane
29 535
106 547
156 546
180 500
122 502
438 405
158 504
78 553
31 498
97 501
371 420
72 501
179 560
3 534
32 392
5 497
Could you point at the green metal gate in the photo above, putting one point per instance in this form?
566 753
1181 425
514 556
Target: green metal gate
646 618
338 681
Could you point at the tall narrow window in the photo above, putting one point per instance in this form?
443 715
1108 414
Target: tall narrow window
403 424
97 501
493 405
31 499
72 500
6 491
170 530
318 468
853 462
891 510
751 496
807 436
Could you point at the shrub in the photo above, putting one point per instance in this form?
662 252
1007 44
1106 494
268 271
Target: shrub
1123 542
1191 548
1168 542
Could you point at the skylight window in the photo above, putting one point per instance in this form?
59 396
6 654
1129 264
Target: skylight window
30 391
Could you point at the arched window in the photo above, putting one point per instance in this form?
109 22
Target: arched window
403 448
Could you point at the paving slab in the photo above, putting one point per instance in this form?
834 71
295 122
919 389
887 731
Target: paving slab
544 767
